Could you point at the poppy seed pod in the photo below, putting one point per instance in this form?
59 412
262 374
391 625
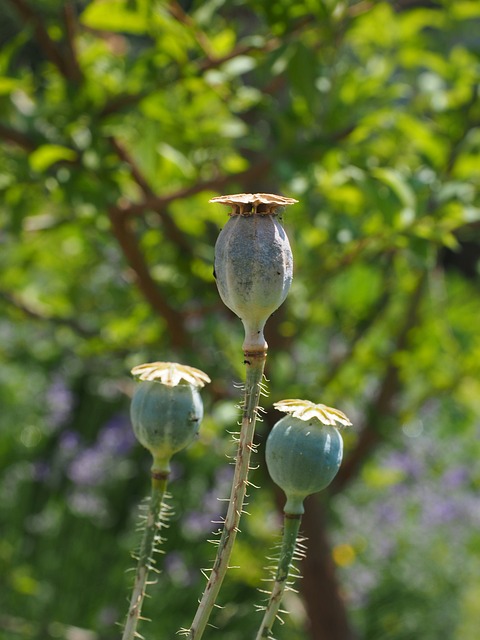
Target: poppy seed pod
304 450
166 408
253 262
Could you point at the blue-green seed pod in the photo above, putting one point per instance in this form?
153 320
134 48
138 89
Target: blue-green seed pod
166 408
304 450
253 262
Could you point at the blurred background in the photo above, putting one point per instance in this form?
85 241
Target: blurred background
119 119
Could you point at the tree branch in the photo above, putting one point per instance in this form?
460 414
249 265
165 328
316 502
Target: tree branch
326 610
362 328
70 20
179 14
202 65
381 407
157 203
126 239
49 47
17 137
121 101
71 323
172 231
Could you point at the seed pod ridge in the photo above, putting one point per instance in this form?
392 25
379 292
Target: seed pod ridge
253 264
166 416
304 454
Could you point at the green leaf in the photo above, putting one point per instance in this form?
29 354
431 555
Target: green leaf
381 477
471 214
7 85
397 184
46 155
466 10
114 15
177 158
302 73
239 65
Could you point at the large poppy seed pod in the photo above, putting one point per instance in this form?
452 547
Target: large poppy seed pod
304 450
253 262
166 408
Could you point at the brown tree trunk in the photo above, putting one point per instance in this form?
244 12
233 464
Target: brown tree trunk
319 587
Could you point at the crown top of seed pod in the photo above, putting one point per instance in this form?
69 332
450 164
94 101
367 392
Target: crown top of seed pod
247 204
305 410
170 373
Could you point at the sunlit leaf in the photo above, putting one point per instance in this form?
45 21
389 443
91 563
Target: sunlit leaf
114 15
46 155
398 185
7 85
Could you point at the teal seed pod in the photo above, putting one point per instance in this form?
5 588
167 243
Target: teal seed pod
166 408
253 262
304 450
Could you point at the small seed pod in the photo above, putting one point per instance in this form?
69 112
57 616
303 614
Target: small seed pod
253 262
304 450
166 408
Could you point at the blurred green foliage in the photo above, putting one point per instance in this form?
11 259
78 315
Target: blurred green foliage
119 119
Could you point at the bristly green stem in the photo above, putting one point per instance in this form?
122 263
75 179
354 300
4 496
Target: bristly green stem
145 558
290 531
255 364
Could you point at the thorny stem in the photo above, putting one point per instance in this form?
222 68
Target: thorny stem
145 559
255 364
291 526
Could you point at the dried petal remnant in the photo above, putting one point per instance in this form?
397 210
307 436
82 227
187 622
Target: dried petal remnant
170 373
248 204
305 410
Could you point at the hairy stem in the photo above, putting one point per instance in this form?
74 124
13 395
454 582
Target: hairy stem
255 363
290 531
145 559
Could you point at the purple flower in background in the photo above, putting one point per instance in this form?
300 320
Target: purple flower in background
197 523
360 584
89 468
178 570
108 616
59 402
210 517
116 435
455 477
41 471
95 464
456 507
69 443
221 487
433 499
406 462
388 513
88 504
440 510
